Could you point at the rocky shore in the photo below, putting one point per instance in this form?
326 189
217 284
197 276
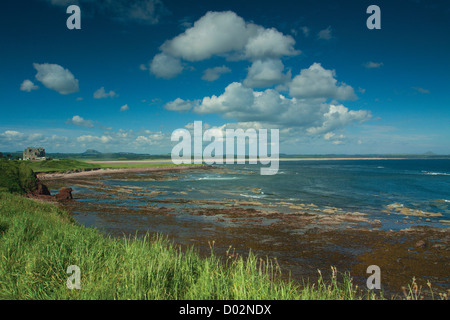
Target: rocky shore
303 238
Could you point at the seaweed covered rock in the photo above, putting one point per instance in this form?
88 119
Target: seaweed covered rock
64 193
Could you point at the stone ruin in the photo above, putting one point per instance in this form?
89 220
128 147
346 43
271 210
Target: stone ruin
34 154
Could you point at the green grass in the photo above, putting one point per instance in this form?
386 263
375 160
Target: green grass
16 177
60 165
38 241
65 165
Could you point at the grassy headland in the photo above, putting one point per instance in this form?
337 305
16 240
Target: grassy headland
16 177
66 165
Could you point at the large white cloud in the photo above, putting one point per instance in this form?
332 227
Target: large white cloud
213 34
317 82
55 77
234 98
222 34
338 116
313 116
270 43
243 104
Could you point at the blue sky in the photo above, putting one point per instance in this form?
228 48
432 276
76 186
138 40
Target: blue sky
138 70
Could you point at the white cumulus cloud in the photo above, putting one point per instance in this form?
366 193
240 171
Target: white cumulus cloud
179 105
79 121
55 77
222 34
317 82
213 34
165 66
28 86
270 43
263 74
101 93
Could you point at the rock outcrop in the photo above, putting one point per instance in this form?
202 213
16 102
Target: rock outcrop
64 193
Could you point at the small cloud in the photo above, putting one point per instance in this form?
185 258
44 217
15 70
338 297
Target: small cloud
79 121
421 90
373 65
185 23
143 67
155 101
79 99
165 66
361 90
179 105
325 34
28 86
94 139
11 134
124 108
306 31
212 74
101 94
55 77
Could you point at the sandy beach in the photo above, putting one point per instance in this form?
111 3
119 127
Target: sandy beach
114 162
71 175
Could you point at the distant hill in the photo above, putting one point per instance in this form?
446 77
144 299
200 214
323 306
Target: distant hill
91 151
92 154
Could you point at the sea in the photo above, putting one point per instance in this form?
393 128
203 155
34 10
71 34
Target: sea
416 191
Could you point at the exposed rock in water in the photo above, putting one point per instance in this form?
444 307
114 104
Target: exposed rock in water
421 244
64 193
